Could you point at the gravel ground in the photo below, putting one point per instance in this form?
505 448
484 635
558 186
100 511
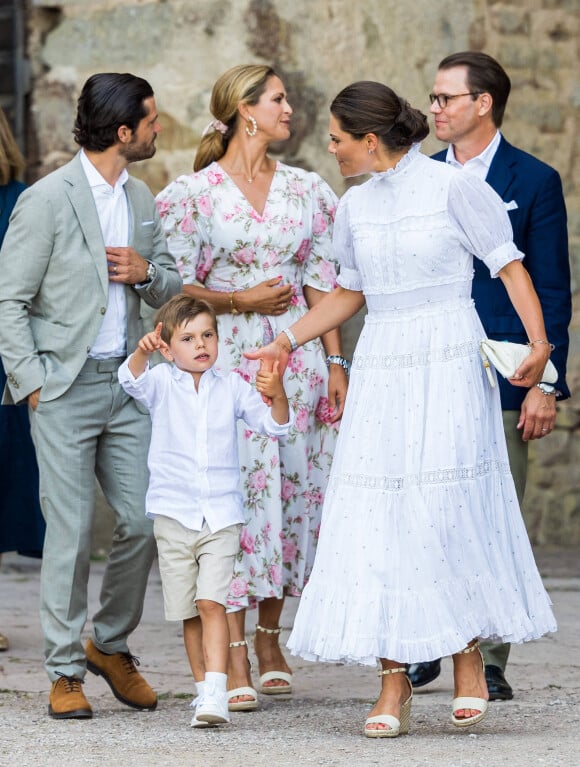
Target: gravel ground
320 724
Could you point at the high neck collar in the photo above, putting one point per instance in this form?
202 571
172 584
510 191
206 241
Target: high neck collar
402 165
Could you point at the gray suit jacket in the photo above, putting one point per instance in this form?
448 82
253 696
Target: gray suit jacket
54 281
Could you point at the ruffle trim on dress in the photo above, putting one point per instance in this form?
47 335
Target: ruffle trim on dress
349 279
502 256
401 166
439 621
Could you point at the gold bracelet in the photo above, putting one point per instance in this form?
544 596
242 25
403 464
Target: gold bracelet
541 341
233 309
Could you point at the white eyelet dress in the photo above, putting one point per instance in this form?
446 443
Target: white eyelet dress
422 544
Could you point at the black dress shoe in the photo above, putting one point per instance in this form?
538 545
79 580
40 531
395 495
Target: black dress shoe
421 674
497 686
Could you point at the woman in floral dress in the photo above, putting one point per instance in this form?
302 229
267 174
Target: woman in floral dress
252 236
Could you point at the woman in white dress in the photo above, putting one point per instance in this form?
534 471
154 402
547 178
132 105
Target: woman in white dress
252 236
422 547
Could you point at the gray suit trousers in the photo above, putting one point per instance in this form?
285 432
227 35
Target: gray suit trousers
94 428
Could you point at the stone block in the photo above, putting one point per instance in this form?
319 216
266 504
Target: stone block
549 452
515 52
53 113
556 520
557 25
546 114
568 418
124 38
507 19
175 134
153 173
573 206
478 34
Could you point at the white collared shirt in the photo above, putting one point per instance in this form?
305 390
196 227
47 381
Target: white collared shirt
193 455
113 212
480 164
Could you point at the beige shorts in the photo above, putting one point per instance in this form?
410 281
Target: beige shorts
194 564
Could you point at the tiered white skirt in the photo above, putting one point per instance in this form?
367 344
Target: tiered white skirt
422 544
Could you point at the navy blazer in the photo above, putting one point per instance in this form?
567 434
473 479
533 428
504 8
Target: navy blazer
9 193
540 232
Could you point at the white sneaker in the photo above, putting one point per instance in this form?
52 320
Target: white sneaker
213 706
194 704
195 722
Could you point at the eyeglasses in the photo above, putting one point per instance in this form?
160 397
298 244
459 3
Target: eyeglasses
443 99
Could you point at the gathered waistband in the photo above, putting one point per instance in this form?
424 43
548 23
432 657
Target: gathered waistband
424 296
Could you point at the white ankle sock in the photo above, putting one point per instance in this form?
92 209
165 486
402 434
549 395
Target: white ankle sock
217 679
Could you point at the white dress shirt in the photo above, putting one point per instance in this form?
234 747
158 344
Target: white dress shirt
193 455
113 212
480 164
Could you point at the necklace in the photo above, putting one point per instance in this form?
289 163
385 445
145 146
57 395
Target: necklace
249 179
265 166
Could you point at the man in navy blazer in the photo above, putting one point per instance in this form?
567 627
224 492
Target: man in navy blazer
468 102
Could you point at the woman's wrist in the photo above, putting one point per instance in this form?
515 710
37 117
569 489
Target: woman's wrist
290 338
283 342
234 306
539 342
338 359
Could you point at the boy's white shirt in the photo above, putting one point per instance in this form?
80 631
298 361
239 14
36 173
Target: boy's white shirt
193 455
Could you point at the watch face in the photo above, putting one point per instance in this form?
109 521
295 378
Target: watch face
546 388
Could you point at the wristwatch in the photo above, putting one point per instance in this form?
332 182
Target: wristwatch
151 271
546 388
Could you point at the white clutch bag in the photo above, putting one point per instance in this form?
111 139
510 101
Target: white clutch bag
506 358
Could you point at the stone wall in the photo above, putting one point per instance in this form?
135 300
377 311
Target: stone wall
181 46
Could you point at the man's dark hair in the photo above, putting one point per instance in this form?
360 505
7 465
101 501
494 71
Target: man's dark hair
107 102
484 75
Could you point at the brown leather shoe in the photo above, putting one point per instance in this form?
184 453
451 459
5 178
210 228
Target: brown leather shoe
120 672
67 699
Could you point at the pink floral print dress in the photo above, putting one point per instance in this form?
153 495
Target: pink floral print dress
220 241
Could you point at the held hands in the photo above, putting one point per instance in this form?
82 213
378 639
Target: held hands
126 265
269 384
272 354
265 298
269 354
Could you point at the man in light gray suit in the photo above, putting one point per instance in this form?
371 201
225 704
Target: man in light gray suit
83 248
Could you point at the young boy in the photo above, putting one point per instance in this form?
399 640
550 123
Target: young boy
194 496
